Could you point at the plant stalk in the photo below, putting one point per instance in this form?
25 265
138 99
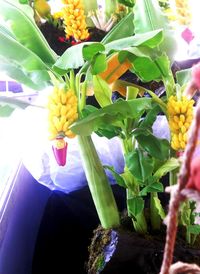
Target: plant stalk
98 184
139 221
155 218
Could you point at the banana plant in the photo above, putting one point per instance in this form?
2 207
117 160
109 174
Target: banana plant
147 53
24 53
134 41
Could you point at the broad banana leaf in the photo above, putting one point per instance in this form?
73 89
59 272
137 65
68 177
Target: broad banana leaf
22 64
25 30
148 17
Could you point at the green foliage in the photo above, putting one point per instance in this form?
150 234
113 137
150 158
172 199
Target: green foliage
156 147
139 164
159 208
89 51
124 28
128 3
108 131
169 165
149 39
147 17
24 53
102 91
98 64
72 58
23 1
22 64
119 179
25 30
194 229
152 187
111 115
150 117
135 205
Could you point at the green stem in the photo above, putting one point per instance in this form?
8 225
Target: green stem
139 221
140 224
83 95
98 184
188 236
155 217
133 189
73 82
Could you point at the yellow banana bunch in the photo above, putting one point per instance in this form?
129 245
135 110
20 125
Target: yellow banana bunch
180 115
74 20
62 107
183 12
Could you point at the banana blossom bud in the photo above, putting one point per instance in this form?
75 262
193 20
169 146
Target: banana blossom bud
60 151
62 112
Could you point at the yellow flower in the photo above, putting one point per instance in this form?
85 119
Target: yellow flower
74 20
62 107
180 115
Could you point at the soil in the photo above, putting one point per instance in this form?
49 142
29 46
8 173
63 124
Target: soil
120 251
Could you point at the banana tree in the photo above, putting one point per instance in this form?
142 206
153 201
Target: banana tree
129 45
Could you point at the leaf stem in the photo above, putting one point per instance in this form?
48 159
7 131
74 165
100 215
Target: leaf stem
155 218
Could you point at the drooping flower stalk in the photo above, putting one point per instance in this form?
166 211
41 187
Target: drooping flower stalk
74 20
180 115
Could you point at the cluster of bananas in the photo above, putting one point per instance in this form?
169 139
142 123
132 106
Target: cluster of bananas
180 115
183 12
62 107
74 20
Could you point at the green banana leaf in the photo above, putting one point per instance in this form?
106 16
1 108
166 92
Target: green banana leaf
148 17
73 56
25 30
110 115
22 64
124 28
149 39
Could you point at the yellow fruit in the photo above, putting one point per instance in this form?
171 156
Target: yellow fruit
62 107
74 20
180 114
